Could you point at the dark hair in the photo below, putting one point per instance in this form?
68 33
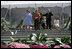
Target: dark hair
28 10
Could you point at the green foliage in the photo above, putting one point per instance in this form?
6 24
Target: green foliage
12 28
19 40
65 39
4 24
12 39
56 42
16 27
33 14
20 24
68 25
24 40
2 42
39 38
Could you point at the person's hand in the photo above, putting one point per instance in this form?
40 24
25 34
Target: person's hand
42 13
36 17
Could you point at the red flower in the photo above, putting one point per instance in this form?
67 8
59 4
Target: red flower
2 46
57 46
46 46
66 46
39 46
17 45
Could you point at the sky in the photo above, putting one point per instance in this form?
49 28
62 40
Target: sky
31 2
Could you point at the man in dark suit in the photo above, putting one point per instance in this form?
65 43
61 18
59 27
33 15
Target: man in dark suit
48 18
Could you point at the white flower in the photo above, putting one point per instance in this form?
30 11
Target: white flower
12 33
59 40
34 34
16 32
45 34
33 38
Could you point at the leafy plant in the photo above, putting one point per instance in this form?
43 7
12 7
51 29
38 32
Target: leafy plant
39 38
19 40
56 42
12 39
12 28
2 42
16 27
20 24
65 39
67 26
4 24
61 42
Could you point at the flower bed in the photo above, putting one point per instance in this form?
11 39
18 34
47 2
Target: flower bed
20 45
38 41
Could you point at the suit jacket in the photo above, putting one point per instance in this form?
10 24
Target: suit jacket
48 16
